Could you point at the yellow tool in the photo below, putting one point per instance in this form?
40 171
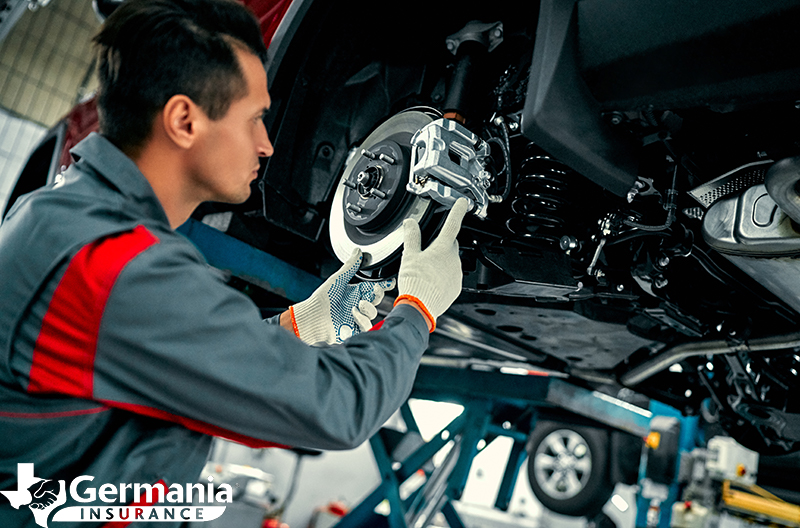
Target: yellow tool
754 500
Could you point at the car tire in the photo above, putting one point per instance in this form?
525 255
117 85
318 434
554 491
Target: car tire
568 467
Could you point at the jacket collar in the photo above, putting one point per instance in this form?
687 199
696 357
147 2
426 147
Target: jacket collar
118 169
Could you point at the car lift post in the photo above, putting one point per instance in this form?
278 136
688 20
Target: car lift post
658 474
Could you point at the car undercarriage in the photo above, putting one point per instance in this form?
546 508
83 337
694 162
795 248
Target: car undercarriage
621 230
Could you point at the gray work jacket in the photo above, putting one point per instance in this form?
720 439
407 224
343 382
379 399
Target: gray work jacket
121 352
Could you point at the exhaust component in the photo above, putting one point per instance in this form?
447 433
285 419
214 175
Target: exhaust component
673 355
730 183
751 225
781 182
756 234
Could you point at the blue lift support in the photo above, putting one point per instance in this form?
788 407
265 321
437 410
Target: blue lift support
246 262
480 392
659 489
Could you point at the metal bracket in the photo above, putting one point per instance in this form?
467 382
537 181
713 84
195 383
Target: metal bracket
490 34
642 187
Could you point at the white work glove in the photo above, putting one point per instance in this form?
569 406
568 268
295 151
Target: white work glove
337 309
431 279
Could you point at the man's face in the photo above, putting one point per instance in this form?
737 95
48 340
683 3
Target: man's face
227 155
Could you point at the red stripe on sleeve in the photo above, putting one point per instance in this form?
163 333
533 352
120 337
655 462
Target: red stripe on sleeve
193 425
63 357
48 415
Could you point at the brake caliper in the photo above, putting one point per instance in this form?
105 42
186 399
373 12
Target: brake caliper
449 162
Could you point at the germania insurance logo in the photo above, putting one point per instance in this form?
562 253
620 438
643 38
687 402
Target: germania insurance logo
147 502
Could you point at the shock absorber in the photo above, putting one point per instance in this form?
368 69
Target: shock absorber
540 198
470 46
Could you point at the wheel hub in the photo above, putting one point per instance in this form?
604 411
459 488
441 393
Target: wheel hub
565 461
376 186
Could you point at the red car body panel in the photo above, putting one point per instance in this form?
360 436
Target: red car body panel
80 122
269 14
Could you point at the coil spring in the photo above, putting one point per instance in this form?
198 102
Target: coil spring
540 198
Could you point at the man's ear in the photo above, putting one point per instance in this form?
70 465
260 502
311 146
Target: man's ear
182 120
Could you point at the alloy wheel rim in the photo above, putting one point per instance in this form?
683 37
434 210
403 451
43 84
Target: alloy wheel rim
562 464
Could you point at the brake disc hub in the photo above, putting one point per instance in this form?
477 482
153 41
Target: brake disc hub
368 181
375 187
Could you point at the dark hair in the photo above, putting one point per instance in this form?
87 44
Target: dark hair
151 50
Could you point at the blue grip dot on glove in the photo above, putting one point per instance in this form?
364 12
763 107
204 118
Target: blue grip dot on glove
345 298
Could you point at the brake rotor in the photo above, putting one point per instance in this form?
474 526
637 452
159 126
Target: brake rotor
371 201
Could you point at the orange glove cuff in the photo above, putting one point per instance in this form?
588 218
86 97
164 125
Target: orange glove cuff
422 308
294 321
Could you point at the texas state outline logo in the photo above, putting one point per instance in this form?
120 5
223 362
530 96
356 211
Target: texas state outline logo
194 502
42 496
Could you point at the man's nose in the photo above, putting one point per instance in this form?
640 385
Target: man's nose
265 148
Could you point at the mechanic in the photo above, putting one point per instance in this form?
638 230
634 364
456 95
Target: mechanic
123 353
